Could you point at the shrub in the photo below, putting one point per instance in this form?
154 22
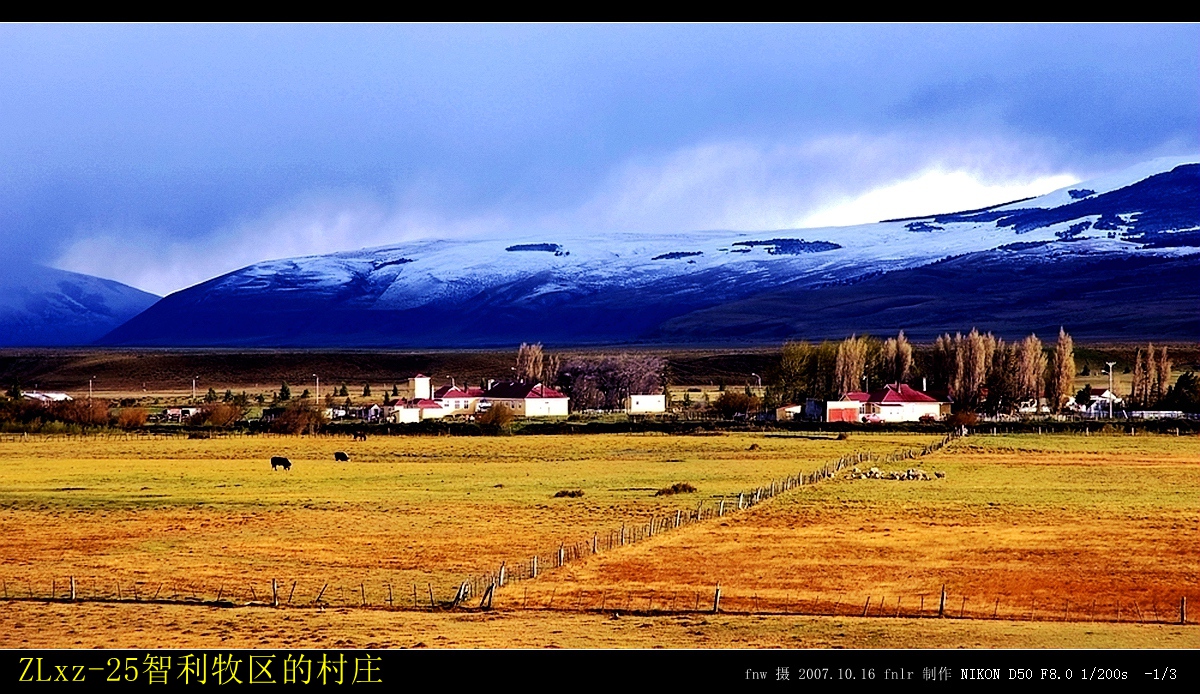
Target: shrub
677 488
568 493
298 418
132 418
498 415
965 418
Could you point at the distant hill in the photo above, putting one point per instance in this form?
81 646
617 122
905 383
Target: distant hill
42 307
1112 258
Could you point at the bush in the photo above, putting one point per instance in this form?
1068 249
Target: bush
498 415
568 493
731 404
298 418
132 418
963 419
219 415
677 488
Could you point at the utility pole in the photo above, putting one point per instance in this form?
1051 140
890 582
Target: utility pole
1110 388
759 379
318 387
90 387
194 388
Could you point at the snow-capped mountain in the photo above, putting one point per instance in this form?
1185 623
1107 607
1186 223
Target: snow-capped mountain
41 307
1138 226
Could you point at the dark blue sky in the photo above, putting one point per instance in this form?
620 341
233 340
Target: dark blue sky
161 155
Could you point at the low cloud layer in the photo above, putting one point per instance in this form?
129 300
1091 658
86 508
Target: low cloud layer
742 185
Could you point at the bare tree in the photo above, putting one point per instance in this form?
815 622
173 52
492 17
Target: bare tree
1032 369
896 359
1139 391
1163 372
1062 383
851 362
529 362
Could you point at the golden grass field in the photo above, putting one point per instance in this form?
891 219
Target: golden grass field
1023 519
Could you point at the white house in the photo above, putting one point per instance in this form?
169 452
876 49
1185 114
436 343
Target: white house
892 403
646 404
46 396
526 399
456 400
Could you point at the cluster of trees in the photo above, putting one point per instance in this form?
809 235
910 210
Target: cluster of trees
978 370
602 382
1151 374
34 415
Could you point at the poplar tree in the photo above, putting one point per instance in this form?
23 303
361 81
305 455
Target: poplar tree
1063 381
851 363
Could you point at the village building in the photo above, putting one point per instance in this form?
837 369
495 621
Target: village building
789 412
655 403
892 403
526 399
457 400
46 396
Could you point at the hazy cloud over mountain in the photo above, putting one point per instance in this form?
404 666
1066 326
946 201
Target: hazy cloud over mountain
163 155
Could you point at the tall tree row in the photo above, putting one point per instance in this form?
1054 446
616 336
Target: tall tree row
1151 376
963 365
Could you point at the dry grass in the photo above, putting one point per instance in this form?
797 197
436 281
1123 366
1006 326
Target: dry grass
211 515
1048 527
1016 518
41 625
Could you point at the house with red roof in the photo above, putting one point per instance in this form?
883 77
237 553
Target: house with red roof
892 403
458 400
526 399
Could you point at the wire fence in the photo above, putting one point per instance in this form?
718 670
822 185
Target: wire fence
1161 608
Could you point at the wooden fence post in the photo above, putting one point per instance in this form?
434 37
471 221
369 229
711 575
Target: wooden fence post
534 567
942 602
362 593
318 598
502 576
274 593
73 592
717 600
291 592
432 604
1183 610
389 585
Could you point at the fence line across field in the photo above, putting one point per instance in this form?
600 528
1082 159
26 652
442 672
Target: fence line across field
387 595
632 532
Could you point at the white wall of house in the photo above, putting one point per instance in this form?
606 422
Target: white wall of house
646 404
545 407
459 405
905 411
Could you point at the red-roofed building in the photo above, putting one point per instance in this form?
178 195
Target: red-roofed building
526 399
892 403
457 400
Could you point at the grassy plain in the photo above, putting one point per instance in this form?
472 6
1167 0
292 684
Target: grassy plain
1039 523
1052 527
209 515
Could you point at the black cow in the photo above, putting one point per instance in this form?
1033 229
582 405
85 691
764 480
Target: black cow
360 436
279 461
341 457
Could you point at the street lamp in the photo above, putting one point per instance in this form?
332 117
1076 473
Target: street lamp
759 379
194 388
318 387
1110 388
866 384
90 387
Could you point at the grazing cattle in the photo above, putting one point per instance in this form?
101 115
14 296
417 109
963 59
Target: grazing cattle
360 436
341 457
281 462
